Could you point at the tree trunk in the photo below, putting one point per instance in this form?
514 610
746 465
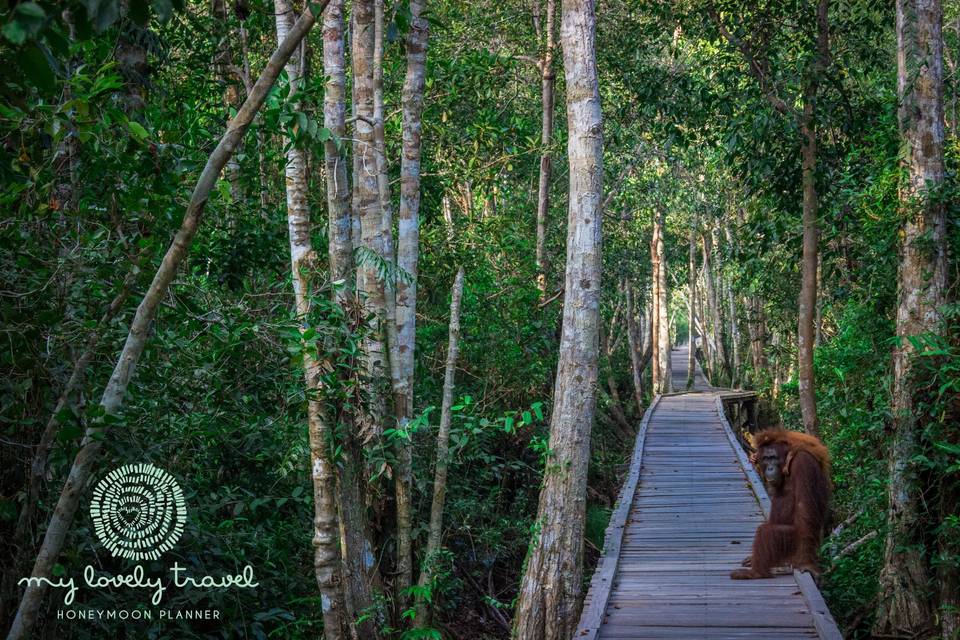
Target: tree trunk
231 95
655 370
756 326
736 373
115 391
806 337
408 237
334 119
408 243
402 472
734 339
303 263
359 572
636 348
548 601
435 536
904 607
609 348
663 311
692 317
719 352
366 199
546 162
806 332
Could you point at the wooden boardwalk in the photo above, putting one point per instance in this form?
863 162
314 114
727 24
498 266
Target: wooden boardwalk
686 517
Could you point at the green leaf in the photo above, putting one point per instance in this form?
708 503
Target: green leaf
28 19
34 64
137 130
102 13
69 432
58 570
14 32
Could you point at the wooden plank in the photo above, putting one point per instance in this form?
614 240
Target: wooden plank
602 581
685 518
822 620
825 624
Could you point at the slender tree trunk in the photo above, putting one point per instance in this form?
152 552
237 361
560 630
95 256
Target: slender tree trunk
408 249
609 348
402 473
692 317
548 601
662 357
261 134
435 536
701 319
736 374
303 264
359 571
635 343
115 391
719 352
231 94
655 370
334 119
366 198
408 237
546 162
904 606
734 338
806 332
756 326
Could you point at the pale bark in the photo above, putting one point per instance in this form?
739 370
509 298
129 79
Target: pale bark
736 374
408 227
303 264
402 474
115 391
366 200
692 305
359 570
756 326
403 304
904 607
717 348
662 356
655 371
334 119
435 535
548 600
547 78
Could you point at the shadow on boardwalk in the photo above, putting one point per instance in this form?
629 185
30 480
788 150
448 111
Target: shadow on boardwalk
685 519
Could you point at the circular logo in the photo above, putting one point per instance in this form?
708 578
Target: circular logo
138 511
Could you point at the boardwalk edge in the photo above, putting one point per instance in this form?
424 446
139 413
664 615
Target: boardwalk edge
602 581
822 619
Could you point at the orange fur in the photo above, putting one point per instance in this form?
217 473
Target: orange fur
797 442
